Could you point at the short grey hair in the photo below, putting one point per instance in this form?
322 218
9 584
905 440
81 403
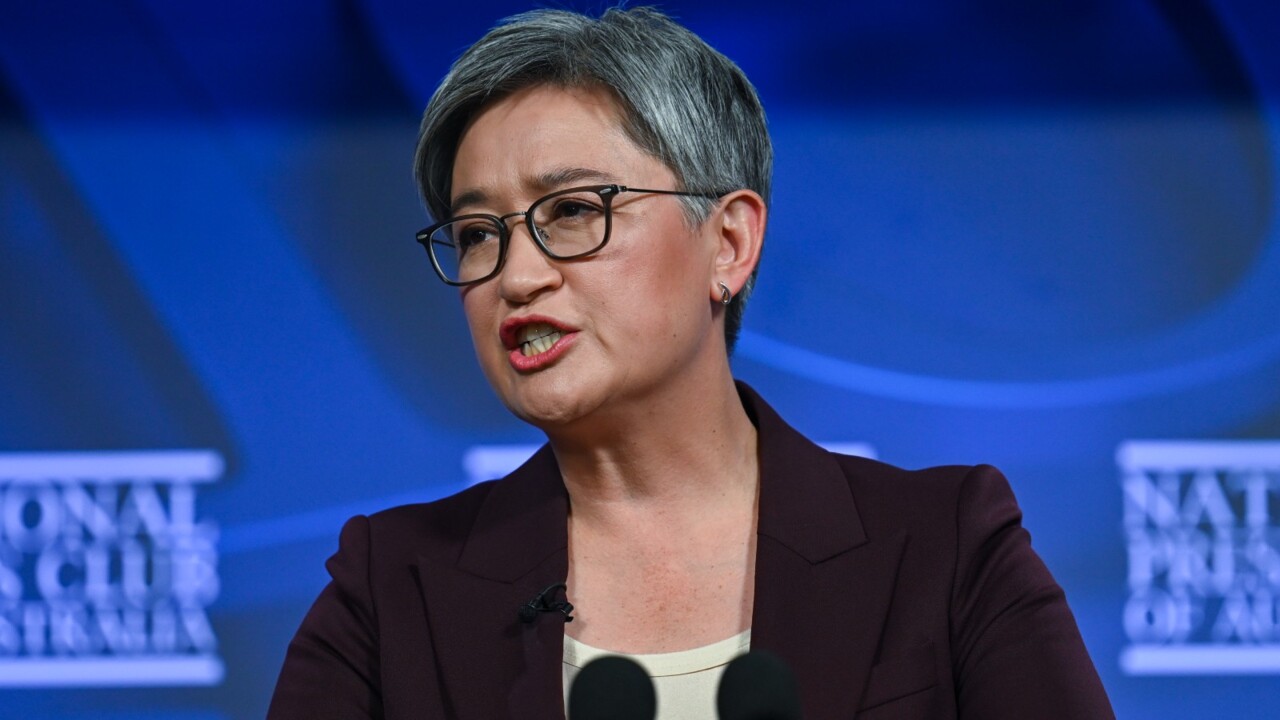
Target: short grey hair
682 102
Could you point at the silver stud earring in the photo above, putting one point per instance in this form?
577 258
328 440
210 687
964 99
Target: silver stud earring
726 296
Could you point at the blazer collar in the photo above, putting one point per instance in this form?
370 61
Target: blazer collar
823 588
492 664
523 521
805 503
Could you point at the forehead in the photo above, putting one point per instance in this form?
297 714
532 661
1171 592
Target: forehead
539 131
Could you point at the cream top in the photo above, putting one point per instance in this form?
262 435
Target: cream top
685 682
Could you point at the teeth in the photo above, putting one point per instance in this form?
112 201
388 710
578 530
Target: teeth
534 330
539 345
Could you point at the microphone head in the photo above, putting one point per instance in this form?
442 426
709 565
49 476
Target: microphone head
612 688
758 686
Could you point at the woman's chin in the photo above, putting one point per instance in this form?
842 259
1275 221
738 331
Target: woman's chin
548 408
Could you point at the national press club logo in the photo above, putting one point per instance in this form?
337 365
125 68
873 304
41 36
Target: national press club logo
1202 525
107 569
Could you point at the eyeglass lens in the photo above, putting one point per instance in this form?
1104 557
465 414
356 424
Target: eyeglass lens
569 223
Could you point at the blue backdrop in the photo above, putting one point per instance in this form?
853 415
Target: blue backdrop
1006 232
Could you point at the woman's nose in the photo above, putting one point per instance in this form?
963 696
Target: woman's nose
526 271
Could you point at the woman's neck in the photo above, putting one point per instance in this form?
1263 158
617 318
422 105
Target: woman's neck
665 507
674 457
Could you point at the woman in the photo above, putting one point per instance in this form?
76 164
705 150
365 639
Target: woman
603 188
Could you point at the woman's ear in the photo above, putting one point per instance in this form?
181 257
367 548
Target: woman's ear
739 227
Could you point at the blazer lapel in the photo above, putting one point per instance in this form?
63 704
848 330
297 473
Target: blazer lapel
822 587
492 664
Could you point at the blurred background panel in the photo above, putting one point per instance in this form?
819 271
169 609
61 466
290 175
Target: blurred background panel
1006 232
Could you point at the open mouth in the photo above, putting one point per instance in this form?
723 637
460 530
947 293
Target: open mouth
537 338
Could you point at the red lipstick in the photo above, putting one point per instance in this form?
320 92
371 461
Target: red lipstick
510 335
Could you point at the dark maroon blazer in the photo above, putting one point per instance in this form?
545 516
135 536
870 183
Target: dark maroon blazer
891 594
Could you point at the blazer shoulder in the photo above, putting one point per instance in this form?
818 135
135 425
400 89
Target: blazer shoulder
876 474
927 494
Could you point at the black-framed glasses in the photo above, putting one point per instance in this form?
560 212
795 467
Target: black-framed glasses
566 224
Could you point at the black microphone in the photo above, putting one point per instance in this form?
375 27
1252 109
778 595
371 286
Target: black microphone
612 688
758 686
544 602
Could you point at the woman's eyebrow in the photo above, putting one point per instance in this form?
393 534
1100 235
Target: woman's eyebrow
470 197
543 182
559 177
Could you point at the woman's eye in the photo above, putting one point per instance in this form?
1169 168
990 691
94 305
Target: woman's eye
475 235
574 210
